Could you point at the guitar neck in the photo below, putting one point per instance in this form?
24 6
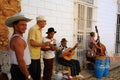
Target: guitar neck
98 42
74 47
97 35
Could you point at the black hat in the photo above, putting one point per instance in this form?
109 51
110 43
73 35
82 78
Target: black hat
51 29
63 39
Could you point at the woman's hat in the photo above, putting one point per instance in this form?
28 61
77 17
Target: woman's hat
51 29
16 17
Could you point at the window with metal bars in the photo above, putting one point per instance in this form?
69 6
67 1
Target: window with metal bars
88 1
118 35
84 26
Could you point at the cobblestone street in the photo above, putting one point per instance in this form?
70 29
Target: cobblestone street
114 74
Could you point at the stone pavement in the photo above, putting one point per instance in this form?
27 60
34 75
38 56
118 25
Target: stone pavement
114 74
86 75
114 62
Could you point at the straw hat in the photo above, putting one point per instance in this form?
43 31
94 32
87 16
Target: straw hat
16 17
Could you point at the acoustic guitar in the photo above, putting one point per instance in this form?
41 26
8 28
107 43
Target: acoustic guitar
68 53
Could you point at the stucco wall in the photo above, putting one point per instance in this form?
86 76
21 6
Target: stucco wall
7 9
106 20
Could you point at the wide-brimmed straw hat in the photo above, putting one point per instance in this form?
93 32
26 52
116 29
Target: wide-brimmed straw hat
16 17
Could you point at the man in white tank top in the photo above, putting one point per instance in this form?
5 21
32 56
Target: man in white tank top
17 46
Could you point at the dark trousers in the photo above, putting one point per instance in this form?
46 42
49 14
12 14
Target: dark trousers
16 73
48 67
73 64
91 59
35 69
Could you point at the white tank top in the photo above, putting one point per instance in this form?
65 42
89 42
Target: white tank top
13 58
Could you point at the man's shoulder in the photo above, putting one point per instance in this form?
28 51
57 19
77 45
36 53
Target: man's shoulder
16 38
33 27
45 39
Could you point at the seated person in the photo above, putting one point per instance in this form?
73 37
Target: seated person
72 63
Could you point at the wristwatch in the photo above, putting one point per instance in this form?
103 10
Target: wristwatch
29 77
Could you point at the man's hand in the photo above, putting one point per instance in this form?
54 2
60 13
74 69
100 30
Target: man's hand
52 47
29 78
46 43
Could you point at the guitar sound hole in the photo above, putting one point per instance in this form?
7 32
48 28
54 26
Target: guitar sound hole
70 50
54 44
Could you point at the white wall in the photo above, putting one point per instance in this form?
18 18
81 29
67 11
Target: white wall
58 13
106 19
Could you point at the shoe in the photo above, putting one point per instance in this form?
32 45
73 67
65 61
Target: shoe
81 76
66 77
70 77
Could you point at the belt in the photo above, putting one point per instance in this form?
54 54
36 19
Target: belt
18 65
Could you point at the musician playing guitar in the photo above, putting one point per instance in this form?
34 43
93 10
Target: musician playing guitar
65 58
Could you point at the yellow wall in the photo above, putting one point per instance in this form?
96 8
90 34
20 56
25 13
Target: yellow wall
7 9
